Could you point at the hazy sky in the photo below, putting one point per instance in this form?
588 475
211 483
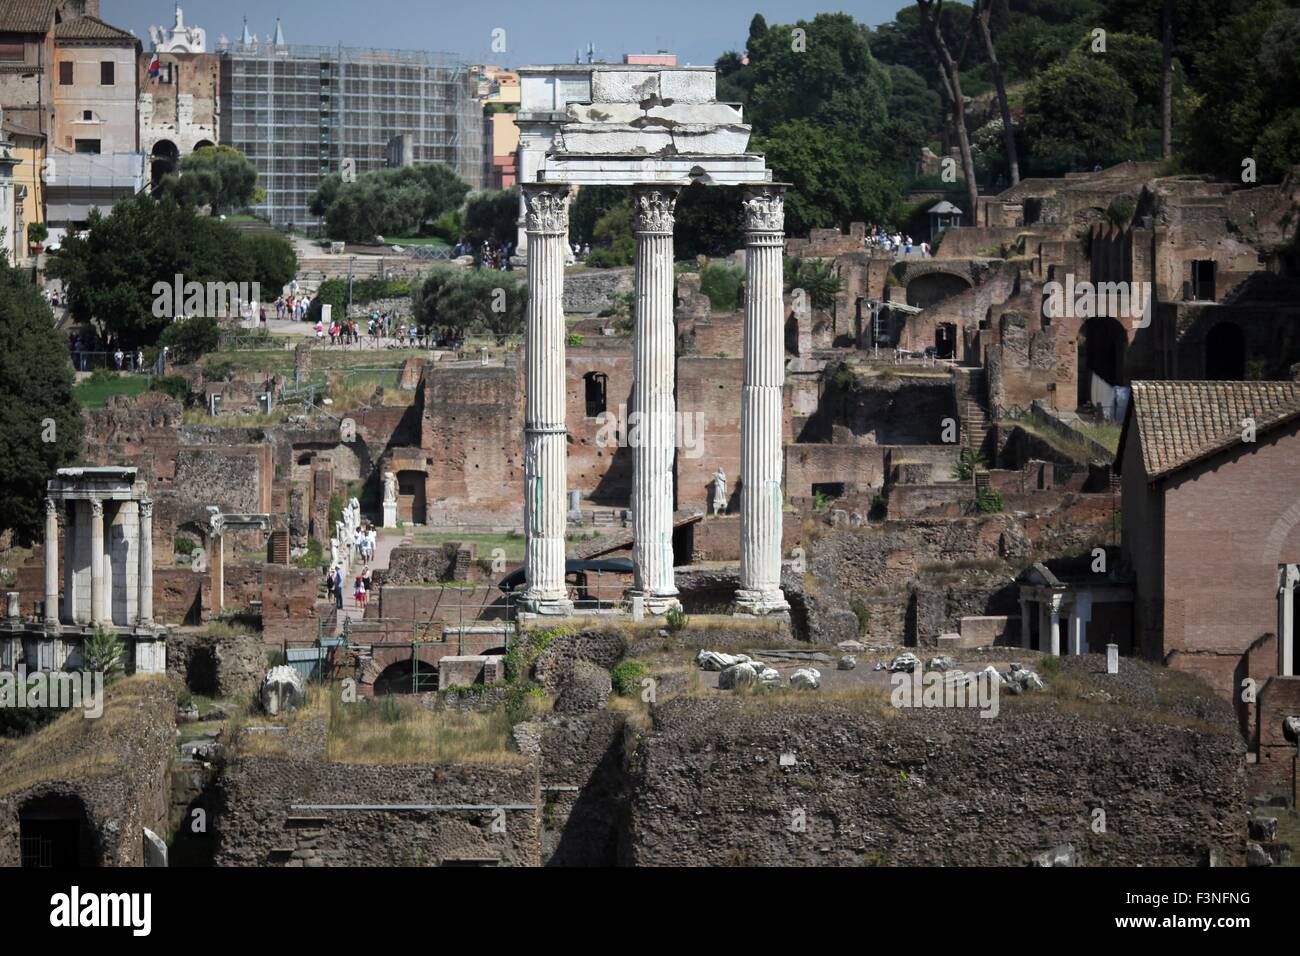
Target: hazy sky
536 31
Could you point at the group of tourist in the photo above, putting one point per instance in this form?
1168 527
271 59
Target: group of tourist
361 586
894 241
378 329
293 306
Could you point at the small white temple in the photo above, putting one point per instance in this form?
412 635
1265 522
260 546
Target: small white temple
179 38
105 576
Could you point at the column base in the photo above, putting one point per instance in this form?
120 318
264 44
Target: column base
546 605
656 605
761 603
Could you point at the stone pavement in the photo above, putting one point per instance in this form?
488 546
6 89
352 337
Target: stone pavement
387 540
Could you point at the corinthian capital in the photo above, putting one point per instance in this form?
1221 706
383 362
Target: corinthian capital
97 507
764 209
652 209
51 507
546 209
146 507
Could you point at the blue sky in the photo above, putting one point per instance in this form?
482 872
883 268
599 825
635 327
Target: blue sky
536 31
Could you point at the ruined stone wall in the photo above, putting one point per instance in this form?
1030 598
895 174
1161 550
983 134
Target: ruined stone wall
1151 748
708 399
289 604
473 434
1275 770
237 479
257 826
140 432
593 290
602 472
115 767
218 665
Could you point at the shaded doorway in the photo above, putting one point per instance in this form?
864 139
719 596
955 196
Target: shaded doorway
1101 361
56 831
1225 353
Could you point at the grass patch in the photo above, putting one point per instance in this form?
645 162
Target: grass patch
511 544
95 393
1105 434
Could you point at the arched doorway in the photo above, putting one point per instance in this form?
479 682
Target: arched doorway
1101 360
55 831
931 288
401 677
164 160
1225 353
203 144
945 340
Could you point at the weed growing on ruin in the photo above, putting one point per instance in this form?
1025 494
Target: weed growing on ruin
989 501
968 462
676 619
626 677
862 614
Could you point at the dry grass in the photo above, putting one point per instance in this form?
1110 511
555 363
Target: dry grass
75 747
386 730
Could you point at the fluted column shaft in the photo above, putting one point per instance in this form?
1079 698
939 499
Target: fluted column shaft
51 561
546 221
145 586
97 562
761 499
652 432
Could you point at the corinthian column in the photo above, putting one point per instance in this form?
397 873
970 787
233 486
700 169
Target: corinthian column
145 586
97 562
51 561
546 221
652 421
761 500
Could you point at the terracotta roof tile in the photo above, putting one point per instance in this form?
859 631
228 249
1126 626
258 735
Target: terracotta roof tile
26 16
89 28
1182 422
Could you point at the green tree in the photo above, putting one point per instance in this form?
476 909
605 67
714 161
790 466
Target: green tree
120 276
274 262
492 216
1078 114
42 428
103 653
834 180
459 301
191 339
218 176
387 202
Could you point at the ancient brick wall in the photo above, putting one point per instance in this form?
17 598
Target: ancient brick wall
709 392
236 479
289 604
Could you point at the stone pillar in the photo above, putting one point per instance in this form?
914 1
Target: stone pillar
1054 648
1073 630
145 586
1112 658
1286 619
52 561
1025 635
761 499
97 561
652 431
547 222
217 568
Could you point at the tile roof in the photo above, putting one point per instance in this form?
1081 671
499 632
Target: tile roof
27 16
90 28
1179 423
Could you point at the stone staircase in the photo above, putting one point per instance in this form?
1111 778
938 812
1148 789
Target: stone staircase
970 391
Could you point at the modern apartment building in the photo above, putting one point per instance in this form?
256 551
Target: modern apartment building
301 112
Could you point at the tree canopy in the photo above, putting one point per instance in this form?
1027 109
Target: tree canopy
217 176
41 430
387 202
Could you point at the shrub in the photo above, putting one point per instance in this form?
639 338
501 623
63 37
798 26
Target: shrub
721 283
185 546
191 339
102 653
626 677
989 501
677 619
862 614
177 386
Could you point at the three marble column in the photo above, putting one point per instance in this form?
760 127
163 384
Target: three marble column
652 423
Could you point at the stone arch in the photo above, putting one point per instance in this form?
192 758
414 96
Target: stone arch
396 678
1225 353
932 288
1102 342
55 829
164 159
204 144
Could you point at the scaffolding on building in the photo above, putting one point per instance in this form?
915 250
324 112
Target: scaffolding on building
298 112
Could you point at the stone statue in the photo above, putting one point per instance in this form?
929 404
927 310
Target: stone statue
719 492
390 487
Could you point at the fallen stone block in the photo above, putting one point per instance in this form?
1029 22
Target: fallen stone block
808 678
